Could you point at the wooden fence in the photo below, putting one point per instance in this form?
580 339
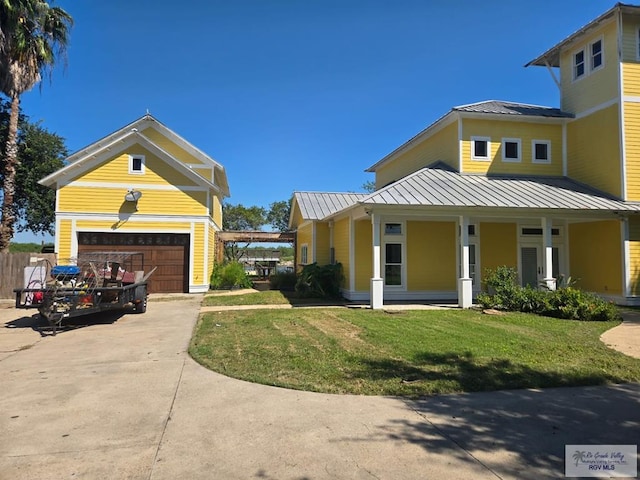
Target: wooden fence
12 270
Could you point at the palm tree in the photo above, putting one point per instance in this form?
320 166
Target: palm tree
33 35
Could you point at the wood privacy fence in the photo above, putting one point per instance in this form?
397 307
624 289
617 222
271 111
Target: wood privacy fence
12 270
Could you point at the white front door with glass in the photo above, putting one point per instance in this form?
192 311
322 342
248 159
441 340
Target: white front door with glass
531 268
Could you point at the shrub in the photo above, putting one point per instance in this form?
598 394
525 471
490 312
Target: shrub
320 281
229 275
565 302
283 281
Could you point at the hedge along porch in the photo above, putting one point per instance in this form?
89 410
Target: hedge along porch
432 235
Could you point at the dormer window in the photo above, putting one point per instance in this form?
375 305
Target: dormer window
136 164
596 54
578 65
480 148
511 150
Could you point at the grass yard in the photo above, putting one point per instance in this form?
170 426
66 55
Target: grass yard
269 297
420 352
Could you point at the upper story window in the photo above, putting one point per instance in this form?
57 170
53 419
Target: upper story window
578 65
596 54
511 150
480 148
541 151
136 164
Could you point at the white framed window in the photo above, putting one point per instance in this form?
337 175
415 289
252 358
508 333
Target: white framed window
541 151
304 254
596 55
579 69
136 164
481 148
394 253
511 150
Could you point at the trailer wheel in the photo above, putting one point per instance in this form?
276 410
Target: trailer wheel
141 299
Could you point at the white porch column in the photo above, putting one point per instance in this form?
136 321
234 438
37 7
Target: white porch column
547 254
377 283
465 283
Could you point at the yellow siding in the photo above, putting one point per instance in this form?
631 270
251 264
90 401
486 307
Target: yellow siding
199 231
431 256
597 87
111 200
363 254
64 236
593 150
211 254
595 256
634 254
132 226
216 214
170 147
323 253
297 216
443 145
498 246
526 132
630 39
116 169
632 149
341 247
304 236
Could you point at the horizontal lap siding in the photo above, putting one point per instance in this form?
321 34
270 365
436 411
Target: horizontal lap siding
170 147
217 211
497 130
64 236
431 256
443 146
133 226
323 252
363 254
634 255
212 250
593 146
632 152
630 40
341 246
631 79
498 246
304 236
198 274
595 256
111 200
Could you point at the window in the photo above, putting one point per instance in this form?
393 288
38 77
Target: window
578 64
304 254
473 264
393 229
538 231
136 164
596 54
541 150
480 148
393 264
510 149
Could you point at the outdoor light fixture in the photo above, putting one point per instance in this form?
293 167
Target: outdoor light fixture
133 196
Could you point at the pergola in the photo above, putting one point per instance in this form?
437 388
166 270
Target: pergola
252 237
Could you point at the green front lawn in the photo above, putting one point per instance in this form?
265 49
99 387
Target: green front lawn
269 297
409 353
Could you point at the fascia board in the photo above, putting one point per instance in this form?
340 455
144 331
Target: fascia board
514 118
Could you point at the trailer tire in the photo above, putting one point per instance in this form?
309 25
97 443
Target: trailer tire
141 299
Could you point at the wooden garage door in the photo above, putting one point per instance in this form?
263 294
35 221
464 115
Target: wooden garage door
167 251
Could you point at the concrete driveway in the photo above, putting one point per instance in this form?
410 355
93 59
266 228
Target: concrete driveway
122 399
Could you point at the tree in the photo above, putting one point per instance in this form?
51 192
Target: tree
33 36
278 215
40 153
239 217
369 186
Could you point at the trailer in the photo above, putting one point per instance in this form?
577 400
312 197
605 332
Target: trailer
91 283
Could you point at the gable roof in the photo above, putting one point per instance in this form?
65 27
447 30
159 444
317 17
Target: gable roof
437 187
319 205
78 161
552 56
510 110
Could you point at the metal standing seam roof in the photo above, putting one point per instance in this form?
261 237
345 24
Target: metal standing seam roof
512 108
438 187
319 205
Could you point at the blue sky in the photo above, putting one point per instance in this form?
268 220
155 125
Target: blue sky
296 95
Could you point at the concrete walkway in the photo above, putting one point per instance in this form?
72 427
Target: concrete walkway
625 337
121 399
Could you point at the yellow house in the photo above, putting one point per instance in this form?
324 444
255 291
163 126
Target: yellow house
552 192
144 189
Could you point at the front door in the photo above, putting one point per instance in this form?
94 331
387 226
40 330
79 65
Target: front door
531 264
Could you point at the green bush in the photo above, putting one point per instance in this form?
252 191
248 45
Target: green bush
320 281
229 275
504 293
283 281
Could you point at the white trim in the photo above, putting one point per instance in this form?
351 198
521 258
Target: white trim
352 254
631 98
394 239
74 238
535 142
56 238
142 164
199 288
475 139
182 188
626 257
192 235
593 69
622 139
137 218
565 164
596 108
585 65
460 144
517 141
